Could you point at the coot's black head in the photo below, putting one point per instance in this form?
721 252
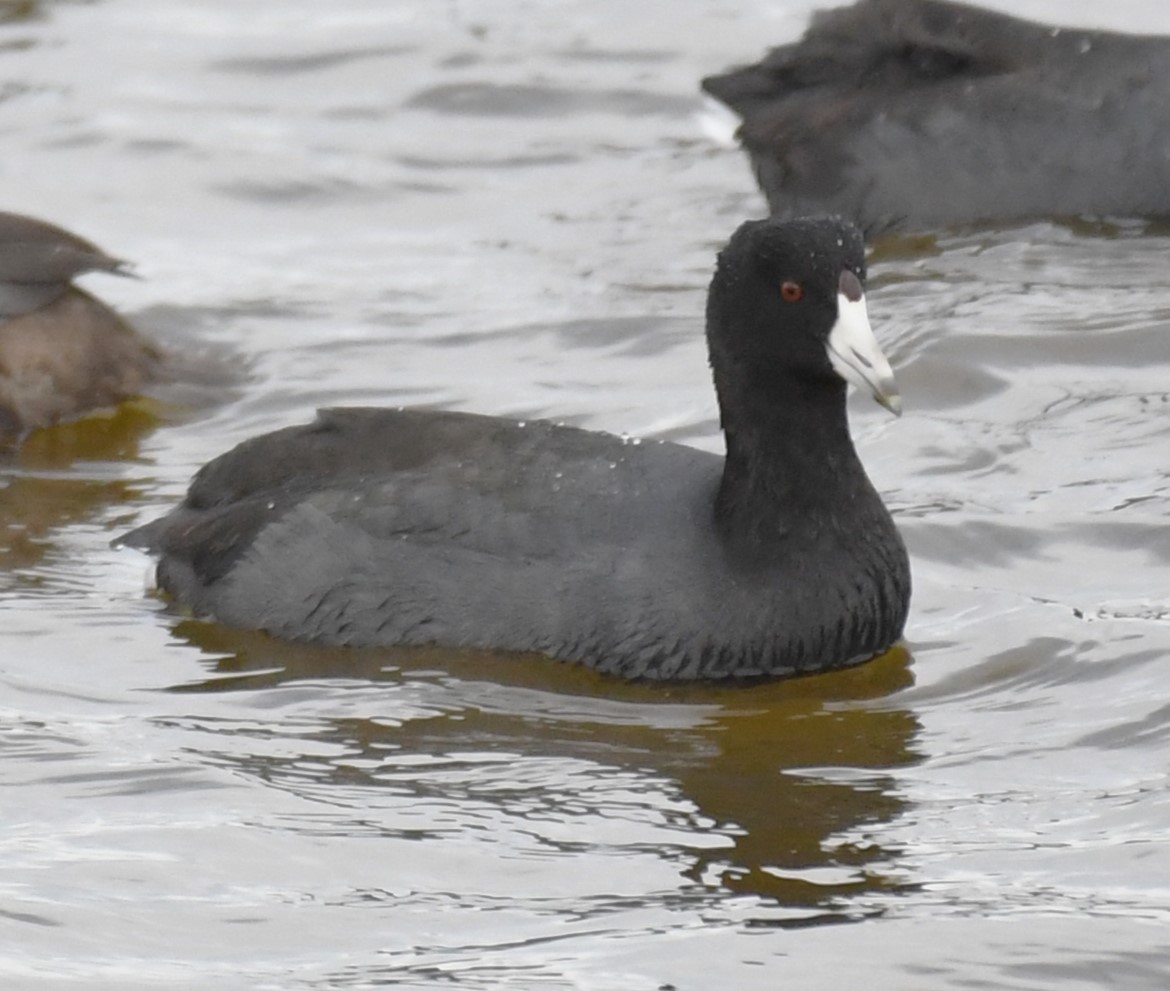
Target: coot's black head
786 318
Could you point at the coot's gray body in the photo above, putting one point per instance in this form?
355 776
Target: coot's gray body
649 560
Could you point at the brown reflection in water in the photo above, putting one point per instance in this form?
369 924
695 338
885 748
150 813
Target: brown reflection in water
746 756
113 435
19 10
14 11
42 486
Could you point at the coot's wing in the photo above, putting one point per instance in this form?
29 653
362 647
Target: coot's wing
483 484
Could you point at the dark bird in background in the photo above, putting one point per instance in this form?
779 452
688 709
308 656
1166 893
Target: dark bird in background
921 114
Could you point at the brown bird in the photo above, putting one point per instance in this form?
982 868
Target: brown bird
63 353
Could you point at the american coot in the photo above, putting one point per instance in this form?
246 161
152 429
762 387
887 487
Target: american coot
647 560
916 114
62 352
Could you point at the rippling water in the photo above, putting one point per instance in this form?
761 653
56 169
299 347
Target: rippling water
513 208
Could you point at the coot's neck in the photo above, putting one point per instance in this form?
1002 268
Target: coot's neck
789 457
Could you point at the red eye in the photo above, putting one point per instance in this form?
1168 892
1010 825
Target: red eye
791 292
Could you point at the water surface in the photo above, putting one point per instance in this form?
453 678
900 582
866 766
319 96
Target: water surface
513 208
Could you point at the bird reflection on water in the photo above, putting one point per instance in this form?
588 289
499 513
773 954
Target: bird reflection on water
62 475
768 790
